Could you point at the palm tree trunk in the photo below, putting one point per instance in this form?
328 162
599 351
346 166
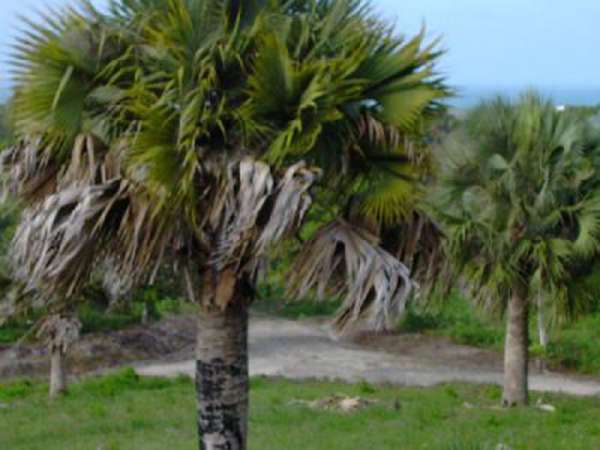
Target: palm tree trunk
58 377
222 365
542 331
516 350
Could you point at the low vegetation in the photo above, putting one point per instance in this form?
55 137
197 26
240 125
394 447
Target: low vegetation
125 412
95 317
573 346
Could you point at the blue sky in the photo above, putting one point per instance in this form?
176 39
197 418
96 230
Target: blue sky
490 43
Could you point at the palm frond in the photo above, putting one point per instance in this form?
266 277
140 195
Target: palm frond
257 211
57 242
376 284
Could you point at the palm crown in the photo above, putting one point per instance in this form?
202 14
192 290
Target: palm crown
519 201
195 129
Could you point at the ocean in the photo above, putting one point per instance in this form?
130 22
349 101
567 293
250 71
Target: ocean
468 96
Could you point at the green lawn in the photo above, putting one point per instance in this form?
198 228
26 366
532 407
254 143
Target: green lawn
123 412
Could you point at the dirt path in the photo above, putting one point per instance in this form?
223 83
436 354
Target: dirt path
305 349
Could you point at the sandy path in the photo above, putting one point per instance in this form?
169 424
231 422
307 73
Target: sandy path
304 349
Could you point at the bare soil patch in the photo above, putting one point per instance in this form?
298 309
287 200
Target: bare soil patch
302 349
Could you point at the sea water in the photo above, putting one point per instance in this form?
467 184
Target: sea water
468 96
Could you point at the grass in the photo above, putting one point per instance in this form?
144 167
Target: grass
574 346
125 412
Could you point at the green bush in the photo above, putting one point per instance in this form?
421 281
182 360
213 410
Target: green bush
418 322
455 318
296 309
168 306
13 331
95 320
577 346
471 332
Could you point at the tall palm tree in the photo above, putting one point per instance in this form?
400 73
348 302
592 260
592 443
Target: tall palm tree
194 131
519 202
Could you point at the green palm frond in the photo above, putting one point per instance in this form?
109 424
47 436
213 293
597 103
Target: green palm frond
518 198
392 199
587 242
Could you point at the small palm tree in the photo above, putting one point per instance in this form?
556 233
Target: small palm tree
194 131
519 202
59 331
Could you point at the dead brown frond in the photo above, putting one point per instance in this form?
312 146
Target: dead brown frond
90 163
249 186
32 173
89 219
292 200
376 132
376 284
417 242
114 284
257 211
28 171
56 243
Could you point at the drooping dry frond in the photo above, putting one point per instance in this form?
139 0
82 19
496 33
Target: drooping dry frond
11 294
55 243
376 284
418 243
292 200
248 187
114 284
59 332
28 171
256 211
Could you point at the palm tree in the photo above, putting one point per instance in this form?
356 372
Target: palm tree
519 202
194 131
59 331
